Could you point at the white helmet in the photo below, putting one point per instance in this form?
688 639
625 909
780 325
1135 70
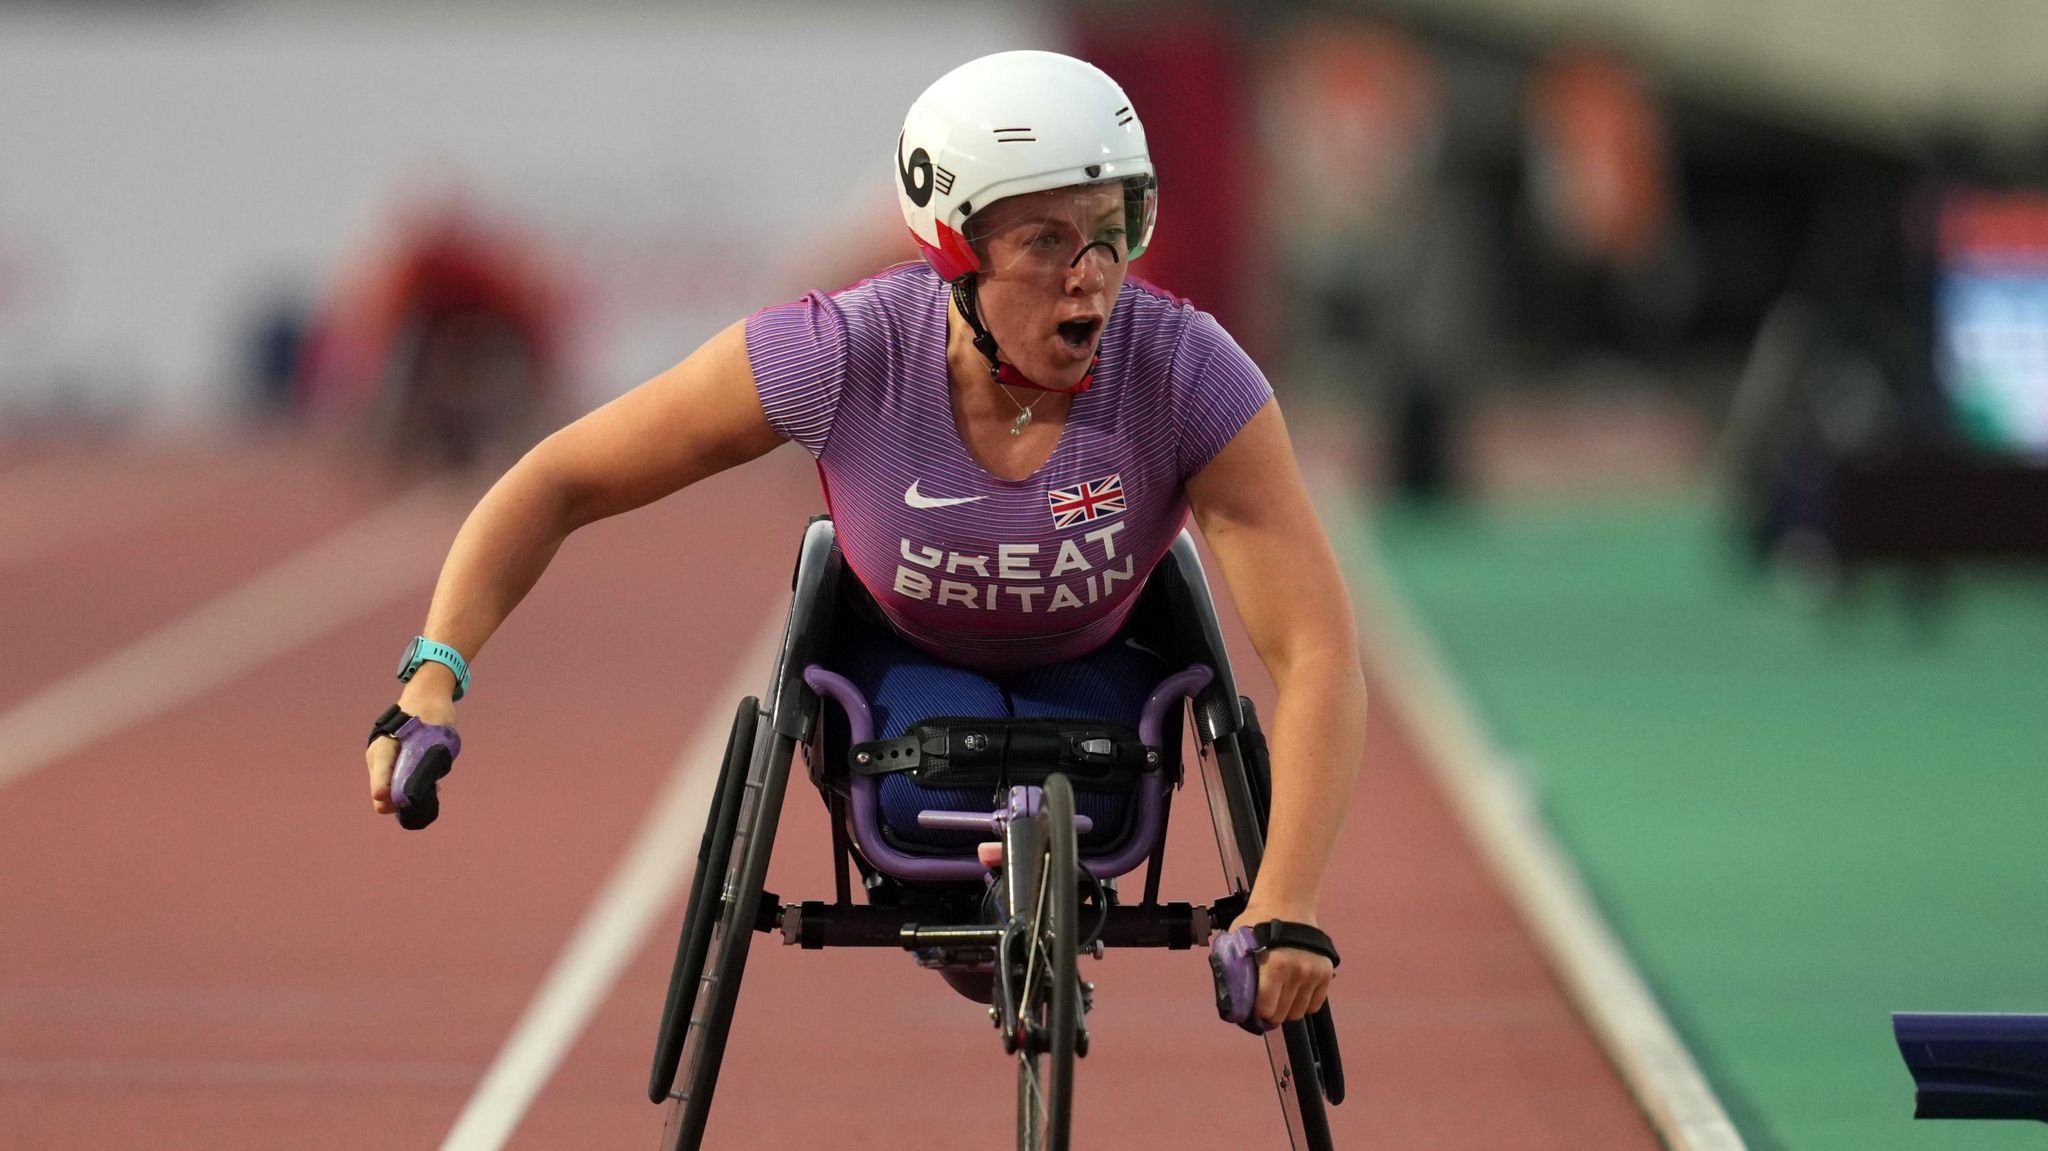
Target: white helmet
1011 124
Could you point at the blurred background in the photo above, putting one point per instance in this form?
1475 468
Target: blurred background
1682 363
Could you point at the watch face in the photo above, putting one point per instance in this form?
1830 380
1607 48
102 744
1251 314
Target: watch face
410 660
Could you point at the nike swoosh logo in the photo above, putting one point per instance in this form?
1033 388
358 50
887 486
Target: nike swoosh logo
911 497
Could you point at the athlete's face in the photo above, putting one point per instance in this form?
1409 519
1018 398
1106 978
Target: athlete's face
1054 262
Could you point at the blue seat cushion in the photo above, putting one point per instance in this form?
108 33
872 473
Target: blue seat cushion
903 684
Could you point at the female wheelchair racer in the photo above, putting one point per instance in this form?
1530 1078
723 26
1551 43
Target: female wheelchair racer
1001 921
1014 370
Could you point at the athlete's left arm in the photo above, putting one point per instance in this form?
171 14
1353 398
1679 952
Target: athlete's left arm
1254 511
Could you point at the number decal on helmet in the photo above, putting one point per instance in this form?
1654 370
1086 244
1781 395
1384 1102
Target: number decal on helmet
916 174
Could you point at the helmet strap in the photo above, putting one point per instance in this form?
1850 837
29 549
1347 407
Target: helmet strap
967 299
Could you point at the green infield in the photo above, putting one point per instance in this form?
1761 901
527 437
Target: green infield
1797 818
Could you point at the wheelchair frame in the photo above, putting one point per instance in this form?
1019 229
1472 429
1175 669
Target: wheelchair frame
724 914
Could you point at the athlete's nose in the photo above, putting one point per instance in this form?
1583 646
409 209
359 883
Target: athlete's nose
1089 271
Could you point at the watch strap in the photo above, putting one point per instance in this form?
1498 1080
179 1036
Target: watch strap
424 649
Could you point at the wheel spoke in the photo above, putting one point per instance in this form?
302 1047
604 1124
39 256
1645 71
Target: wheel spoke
1033 953
1034 1094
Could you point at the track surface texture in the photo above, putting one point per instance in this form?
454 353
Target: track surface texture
210 941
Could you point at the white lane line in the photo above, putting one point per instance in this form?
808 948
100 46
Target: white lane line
647 880
1503 819
364 566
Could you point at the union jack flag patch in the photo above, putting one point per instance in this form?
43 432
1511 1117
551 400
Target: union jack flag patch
1086 501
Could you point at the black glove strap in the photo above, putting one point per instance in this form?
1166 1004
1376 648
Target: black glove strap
1298 936
388 724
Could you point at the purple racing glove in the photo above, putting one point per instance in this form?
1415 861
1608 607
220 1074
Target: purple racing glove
1234 961
426 752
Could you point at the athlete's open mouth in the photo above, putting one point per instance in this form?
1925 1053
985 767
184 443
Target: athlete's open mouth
1078 334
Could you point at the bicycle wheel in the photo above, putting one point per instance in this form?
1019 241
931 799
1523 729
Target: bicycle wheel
1049 1000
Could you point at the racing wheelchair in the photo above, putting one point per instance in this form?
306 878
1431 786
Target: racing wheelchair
1004 928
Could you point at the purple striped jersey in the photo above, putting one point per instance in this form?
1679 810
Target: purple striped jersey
992 574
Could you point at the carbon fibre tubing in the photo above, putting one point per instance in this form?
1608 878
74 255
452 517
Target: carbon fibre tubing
1307 1104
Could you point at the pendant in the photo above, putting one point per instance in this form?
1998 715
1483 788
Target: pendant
1017 425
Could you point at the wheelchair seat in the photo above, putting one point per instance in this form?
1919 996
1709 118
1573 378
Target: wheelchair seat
1126 807
962 763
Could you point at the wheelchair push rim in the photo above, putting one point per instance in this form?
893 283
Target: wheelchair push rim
705 902
731 934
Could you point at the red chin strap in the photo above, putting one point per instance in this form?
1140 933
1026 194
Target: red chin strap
1007 375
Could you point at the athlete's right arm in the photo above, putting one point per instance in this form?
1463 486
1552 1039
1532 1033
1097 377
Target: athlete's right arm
694 420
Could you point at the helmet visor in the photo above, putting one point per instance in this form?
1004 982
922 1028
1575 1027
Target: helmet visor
1141 210
1049 233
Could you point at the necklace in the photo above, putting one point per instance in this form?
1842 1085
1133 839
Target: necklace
1023 419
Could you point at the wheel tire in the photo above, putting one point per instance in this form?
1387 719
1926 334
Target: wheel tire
727 943
1045 1081
713 852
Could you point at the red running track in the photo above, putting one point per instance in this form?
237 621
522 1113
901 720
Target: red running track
207 941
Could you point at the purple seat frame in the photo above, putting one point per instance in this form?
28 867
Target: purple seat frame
865 809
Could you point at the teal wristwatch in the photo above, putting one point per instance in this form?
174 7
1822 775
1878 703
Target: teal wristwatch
422 649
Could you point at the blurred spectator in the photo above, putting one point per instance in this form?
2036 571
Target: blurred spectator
1351 128
1381 227
1597 160
276 340
447 338
1609 265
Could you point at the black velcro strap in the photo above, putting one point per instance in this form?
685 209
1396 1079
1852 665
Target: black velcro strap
1297 936
981 752
387 725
